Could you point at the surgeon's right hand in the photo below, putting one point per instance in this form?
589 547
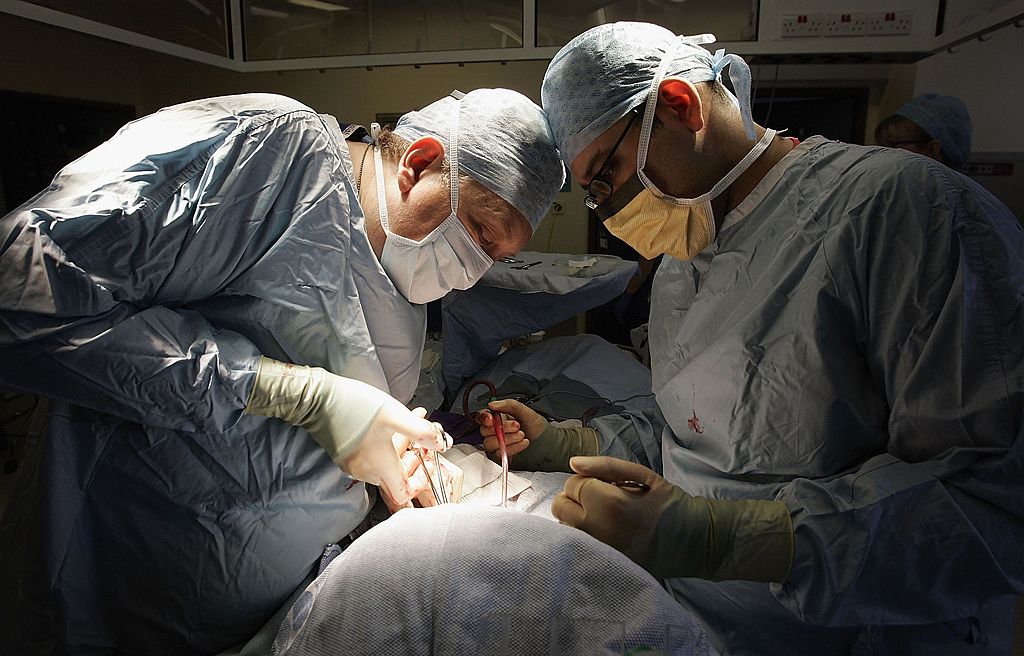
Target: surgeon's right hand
354 422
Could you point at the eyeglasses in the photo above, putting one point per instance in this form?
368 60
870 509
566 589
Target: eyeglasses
599 189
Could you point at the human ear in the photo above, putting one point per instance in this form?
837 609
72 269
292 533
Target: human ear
419 156
679 104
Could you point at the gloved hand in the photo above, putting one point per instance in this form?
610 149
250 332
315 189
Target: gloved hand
362 428
420 480
672 534
536 444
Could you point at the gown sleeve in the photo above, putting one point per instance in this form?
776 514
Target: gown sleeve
97 271
932 270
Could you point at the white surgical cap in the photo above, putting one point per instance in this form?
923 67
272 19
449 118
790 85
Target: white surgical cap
603 73
504 143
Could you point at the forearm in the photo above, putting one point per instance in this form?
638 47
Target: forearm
156 367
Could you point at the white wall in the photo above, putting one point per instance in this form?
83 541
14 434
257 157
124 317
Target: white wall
989 78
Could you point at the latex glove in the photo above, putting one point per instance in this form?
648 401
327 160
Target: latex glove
354 422
536 444
422 493
672 534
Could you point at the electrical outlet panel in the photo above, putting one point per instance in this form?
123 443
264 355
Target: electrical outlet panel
852 23
801 25
890 23
847 23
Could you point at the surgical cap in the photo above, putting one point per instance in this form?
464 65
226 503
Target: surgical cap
944 118
504 143
603 73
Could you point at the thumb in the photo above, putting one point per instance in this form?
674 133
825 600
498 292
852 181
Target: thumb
610 470
508 406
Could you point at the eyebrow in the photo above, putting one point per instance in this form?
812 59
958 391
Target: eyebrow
589 172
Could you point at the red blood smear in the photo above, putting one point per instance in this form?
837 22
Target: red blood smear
694 424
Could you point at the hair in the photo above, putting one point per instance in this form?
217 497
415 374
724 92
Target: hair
392 147
903 125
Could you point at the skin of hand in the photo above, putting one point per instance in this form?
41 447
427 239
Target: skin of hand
378 461
622 518
521 425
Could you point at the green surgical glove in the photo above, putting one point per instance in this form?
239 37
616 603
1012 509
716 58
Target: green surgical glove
671 533
360 427
533 443
551 450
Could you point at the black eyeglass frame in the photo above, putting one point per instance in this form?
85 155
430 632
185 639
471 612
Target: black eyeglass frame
598 183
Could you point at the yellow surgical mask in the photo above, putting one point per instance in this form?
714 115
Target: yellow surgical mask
655 223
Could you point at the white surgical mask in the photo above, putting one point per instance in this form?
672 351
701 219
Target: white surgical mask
446 259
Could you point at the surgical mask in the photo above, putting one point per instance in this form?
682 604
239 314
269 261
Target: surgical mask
655 223
448 258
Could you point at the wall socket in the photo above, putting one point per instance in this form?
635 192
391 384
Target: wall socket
852 23
889 23
800 25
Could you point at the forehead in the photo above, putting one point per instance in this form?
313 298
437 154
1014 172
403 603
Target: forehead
488 207
592 156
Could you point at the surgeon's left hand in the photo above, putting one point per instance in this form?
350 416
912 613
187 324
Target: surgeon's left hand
671 533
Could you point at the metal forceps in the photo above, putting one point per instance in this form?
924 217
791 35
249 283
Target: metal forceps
509 260
439 491
521 267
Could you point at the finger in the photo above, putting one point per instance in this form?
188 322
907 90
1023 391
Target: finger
567 511
518 447
509 424
574 486
393 480
417 429
484 418
392 505
410 463
612 469
491 443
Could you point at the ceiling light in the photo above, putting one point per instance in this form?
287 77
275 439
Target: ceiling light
319 4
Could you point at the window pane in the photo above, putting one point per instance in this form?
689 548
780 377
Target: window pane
199 24
558 21
284 29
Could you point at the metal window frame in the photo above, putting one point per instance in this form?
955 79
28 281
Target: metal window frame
1012 12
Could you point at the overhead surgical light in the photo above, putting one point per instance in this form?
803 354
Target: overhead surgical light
319 4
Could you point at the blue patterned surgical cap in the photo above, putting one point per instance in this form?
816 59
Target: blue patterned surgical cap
608 70
944 118
504 143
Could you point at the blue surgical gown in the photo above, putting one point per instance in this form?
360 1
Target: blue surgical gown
853 345
138 291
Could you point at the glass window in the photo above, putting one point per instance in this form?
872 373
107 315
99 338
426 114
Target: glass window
558 21
284 29
199 24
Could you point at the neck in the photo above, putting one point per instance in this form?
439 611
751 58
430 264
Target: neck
366 181
750 178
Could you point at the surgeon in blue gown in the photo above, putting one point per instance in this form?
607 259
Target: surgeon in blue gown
837 345
225 304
